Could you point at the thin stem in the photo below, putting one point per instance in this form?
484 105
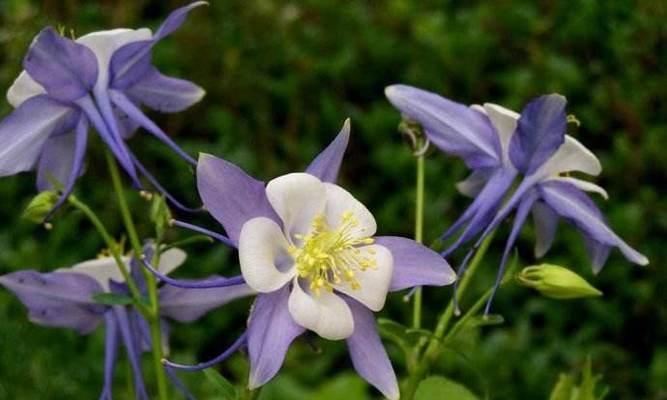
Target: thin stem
433 348
460 324
122 204
467 316
156 332
153 313
249 394
110 243
445 318
187 241
419 232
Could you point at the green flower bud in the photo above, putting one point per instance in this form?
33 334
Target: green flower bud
556 282
40 206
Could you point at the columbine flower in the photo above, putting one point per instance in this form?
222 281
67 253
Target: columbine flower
100 79
307 246
532 144
480 136
64 298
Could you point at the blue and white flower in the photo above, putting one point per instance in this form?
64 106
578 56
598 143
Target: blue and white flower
101 80
500 145
308 249
65 298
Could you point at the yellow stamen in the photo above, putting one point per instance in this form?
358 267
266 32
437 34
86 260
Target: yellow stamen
331 256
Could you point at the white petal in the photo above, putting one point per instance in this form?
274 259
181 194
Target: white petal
171 259
583 185
570 156
23 88
265 264
339 201
474 183
505 121
546 224
105 43
101 269
297 198
479 108
325 314
374 282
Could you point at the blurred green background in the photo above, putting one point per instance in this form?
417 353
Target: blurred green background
281 77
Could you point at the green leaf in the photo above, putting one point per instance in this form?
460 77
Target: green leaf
226 389
486 320
588 381
346 386
563 390
392 330
285 387
112 299
438 387
414 334
403 336
567 387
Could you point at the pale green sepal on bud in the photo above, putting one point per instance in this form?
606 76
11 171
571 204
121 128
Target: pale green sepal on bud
556 282
40 206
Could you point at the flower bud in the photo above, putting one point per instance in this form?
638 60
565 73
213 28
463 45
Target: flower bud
40 206
556 282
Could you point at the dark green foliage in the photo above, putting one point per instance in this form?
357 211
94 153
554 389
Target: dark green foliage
281 77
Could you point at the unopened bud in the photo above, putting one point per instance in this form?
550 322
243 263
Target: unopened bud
40 206
556 282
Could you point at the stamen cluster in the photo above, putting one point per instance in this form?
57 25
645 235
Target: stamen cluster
332 256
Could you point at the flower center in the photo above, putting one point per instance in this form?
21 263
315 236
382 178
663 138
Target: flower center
332 256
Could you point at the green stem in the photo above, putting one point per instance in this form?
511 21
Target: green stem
156 332
481 302
188 241
419 232
153 314
446 317
467 316
433 348
110 243
122 204
251 394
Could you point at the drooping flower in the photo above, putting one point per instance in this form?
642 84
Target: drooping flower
65 298
533 145
307 246
478 135
101 80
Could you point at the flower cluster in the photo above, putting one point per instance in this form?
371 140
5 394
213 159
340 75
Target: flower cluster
308 250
